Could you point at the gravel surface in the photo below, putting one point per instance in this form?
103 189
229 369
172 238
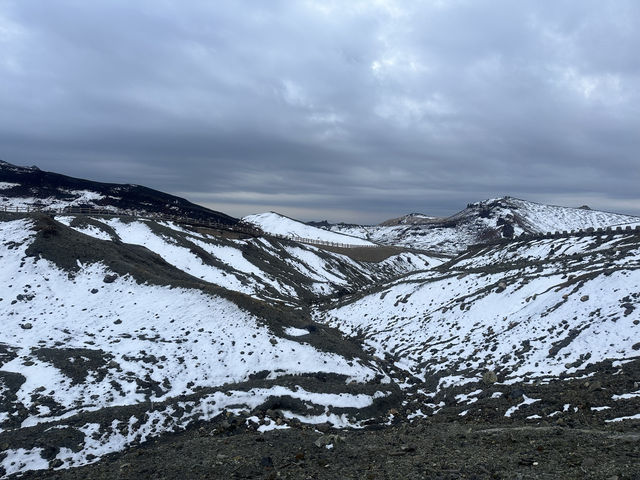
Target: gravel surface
422 450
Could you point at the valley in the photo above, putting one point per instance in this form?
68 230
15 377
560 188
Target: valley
509 330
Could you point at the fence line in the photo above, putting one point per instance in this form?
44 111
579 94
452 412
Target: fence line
326 243
620 229
581 232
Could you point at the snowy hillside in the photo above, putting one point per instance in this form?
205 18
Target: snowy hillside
119 329
269 269
412 219
91 323
531 217
277 224
482 222
30 187
529 310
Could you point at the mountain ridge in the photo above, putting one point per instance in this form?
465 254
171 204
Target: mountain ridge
31 187
486 220
119 330
278 224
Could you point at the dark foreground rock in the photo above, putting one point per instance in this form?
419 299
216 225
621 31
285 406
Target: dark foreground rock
423 450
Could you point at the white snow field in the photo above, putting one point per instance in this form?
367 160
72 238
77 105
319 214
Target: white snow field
111 358
526 310
262 275
277 224
80 344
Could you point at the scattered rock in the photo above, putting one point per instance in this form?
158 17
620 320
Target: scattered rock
273 413
26 326
94 290
595 386
516 394
266 462
403 450
261 375
489 377
324 427
110 278
397 453
584 298
325 440
529 461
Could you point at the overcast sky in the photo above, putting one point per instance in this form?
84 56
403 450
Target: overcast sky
345 110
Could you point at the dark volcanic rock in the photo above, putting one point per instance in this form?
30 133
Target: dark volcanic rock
33 182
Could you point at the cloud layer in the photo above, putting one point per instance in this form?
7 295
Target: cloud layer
354 111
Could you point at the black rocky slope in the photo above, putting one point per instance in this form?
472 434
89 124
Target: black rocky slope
36 188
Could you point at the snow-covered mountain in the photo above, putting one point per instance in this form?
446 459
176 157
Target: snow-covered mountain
411 219
483 222
276 224
527 311
30 187
118 329
170 326
264 268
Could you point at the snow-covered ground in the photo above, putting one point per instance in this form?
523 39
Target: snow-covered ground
277 224
226 263
164 322
541 218
76 198
516 309
76 343
484 221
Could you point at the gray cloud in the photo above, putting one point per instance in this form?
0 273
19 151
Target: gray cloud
353 111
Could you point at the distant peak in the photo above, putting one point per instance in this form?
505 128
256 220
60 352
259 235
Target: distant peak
411 219
504 200
11 165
